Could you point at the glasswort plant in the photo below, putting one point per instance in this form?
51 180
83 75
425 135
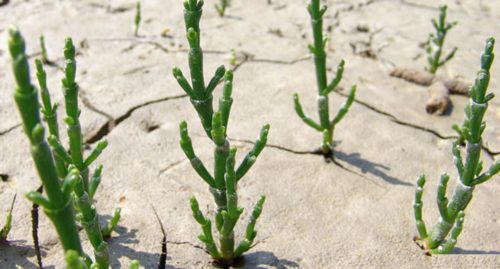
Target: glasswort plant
65 176
434 44
57 205
223 182
326 125
469 173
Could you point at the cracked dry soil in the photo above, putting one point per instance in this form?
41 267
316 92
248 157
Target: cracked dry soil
355 214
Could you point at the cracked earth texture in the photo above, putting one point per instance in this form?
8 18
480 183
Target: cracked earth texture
357 213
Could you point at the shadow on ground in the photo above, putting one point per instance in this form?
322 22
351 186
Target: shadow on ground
366 166
474 252
259 258
16 254
118 248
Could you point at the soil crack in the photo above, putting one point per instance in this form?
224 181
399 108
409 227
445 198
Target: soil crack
113 122
8 130
335 162
171 166
415 126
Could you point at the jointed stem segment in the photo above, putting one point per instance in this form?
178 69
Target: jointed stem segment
325 125
469 173
223 182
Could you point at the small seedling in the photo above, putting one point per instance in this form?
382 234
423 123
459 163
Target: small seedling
4 232
43 51
469 173
137 18
223 182
434 44
326 125
221 6
65 176
233 59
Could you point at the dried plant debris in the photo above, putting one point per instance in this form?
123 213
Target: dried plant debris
439 88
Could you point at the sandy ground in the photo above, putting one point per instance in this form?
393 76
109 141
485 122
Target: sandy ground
317 215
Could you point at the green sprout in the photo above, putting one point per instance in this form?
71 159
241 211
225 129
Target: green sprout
64 173
43 51
326 125
137 18
221 6
469 173
434 44
223 182
233 59
4 232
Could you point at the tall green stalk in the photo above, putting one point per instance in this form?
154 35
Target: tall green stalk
223 182
435 42
326 125
57 205
55 163
469 172
85 186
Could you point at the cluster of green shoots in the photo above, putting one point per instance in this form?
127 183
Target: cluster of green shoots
221 6
469 173
65 176
325 125
434 44
223 183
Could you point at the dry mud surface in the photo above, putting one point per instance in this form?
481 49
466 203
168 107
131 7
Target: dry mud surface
317 215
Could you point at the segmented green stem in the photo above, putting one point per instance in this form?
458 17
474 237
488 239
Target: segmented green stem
434 45
325 125
49 112
89 220
225 177
57 205
469 173
206 225
250 233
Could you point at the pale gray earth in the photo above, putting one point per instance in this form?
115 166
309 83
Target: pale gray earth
317 215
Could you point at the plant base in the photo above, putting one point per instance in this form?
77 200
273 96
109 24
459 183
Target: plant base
328 155
226 264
